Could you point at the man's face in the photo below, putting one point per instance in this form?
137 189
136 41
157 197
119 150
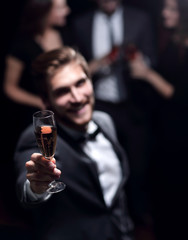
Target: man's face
71 96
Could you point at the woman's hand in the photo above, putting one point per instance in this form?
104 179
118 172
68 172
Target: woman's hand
139 68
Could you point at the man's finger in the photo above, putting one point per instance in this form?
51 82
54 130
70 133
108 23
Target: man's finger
31 166
39 159
40 174
39 177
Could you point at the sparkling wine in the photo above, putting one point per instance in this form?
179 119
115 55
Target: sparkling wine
46 139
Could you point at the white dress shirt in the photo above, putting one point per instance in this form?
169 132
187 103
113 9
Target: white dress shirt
106 28
101 32
101 152
109 170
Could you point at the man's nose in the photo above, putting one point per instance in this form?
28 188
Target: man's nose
75 95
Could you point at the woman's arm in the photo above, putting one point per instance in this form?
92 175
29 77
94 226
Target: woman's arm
140 70
14 69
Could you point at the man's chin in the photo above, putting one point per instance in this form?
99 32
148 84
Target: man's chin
78 126
81 116
81 122
78 123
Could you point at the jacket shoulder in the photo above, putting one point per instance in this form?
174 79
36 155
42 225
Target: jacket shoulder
102 116
106 123
135 11
27 138
135 15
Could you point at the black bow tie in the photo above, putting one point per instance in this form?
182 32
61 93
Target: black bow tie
89 136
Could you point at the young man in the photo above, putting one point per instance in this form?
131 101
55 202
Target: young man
93 205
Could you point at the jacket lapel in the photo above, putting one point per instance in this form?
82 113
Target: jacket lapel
121 156
90 165
86 165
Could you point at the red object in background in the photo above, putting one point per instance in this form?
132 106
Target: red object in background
113 55
130 52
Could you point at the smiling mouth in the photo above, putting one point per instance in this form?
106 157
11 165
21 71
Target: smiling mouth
79 109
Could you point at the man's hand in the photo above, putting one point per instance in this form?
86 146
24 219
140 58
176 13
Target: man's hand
40 172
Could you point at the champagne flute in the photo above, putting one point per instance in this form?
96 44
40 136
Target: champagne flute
46 135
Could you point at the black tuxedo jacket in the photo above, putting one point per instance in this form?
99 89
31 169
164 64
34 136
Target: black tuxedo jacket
79 212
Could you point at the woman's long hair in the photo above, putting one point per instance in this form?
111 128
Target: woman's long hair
178 34
34 17
182 28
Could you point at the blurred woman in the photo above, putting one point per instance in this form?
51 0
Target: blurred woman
170 124
37 34
39 31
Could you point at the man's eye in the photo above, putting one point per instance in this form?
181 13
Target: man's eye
81 82
61 92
